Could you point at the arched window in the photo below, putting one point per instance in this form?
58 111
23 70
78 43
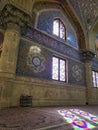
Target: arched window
59 28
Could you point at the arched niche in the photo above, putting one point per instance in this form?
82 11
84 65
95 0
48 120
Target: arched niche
64 6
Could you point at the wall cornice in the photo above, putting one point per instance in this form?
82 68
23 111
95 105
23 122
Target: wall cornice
11 14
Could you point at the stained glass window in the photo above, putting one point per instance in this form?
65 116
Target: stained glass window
58 69
62 70
59 28
55 68
95 78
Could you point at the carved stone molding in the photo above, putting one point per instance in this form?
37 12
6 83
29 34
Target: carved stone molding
11 14
88 55
23 5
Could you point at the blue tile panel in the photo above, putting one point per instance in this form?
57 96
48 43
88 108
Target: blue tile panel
45 23
52 43
75 68
29 68
76 72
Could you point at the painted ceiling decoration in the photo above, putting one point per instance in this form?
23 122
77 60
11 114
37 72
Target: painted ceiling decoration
87 11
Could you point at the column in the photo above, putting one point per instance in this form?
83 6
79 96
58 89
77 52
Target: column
14 21
87 57
10 49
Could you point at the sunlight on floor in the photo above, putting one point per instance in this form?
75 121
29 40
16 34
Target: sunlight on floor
79 120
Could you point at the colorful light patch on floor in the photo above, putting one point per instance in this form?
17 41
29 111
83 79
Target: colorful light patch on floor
86 115
77 122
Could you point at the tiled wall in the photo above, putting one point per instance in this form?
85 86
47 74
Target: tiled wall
45 23
27 64
43 68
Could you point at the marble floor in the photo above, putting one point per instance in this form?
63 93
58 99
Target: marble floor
49 118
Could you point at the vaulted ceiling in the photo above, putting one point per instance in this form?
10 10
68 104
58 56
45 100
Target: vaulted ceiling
87 11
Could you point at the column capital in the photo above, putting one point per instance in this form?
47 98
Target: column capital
88 55
12 14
